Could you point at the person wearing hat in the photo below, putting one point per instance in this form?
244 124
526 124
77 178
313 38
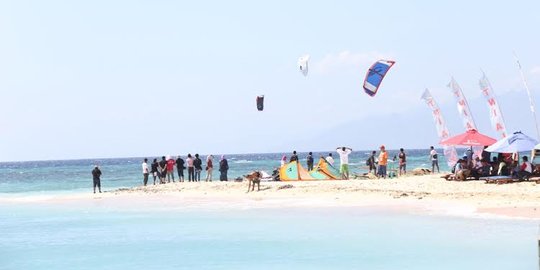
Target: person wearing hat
383 162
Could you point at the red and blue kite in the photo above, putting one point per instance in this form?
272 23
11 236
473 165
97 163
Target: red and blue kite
375 76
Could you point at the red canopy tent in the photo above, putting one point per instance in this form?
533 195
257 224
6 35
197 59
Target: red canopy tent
470 138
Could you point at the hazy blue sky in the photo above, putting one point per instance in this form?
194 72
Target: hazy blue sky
86 79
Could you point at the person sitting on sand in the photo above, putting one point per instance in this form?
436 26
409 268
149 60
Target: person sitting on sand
344 161
515 168
462 172
504 168
494 166
525 170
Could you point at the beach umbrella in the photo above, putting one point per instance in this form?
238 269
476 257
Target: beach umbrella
470 138
515 143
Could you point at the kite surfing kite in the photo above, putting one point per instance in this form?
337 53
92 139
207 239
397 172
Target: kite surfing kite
303 64
375 75
260 103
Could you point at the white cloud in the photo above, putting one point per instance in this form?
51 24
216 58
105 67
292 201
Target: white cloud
344 60
535 71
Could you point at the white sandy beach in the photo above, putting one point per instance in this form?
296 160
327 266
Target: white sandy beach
430 193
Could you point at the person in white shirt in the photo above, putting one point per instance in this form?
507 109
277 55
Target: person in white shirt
330 159
145 171
434 160
344 161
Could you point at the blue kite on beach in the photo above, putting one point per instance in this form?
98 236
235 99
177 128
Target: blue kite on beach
375 75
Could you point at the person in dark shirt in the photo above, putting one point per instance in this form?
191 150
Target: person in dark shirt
370 162
162 170
310 161
197 163
485 155
294 157
180 167
223 168
154 169
96 175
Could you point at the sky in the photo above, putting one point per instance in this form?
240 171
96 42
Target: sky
105 79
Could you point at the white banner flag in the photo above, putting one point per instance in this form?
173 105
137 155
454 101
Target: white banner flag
442 131
462 105
495 114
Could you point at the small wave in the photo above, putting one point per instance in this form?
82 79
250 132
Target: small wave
243 161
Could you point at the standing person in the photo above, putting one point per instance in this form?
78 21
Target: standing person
344 161
180 168
310 161
330 159
155 169
223 168
162 170
145 171
434 160
197 163
190 169
402 162
294 157
96 175
170 169
370 162
383 162
209 167
283 160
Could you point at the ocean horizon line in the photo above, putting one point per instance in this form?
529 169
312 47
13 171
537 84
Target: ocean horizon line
201 154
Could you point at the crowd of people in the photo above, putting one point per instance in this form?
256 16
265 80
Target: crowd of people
470 166
163 171
377 166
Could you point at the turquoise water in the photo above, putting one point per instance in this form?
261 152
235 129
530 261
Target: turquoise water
66 176
101 236
179 234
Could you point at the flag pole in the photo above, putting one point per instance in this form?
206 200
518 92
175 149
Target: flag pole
531 101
